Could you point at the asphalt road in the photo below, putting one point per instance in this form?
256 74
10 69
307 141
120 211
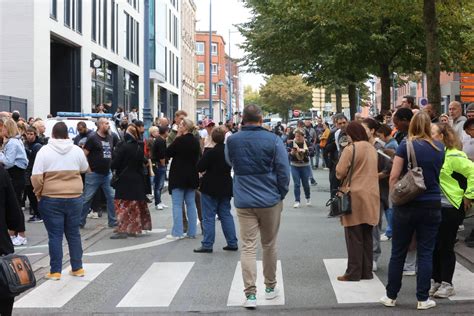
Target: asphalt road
149 275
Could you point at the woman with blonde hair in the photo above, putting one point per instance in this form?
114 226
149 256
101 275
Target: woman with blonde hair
183 179
133 216
15 161
457 186
422 215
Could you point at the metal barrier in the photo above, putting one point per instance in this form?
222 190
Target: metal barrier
10 104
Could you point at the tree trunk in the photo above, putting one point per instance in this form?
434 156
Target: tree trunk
386 84
432 54
352 100
338 100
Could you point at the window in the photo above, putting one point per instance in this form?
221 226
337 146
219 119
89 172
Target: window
132 39
214 68
201 88
201 68
214 88
214 49
53 9
199 48
73 14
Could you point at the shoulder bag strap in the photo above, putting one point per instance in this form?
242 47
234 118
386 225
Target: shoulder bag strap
352 165
412 157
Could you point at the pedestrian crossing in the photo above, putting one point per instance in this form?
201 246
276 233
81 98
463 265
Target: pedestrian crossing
159 284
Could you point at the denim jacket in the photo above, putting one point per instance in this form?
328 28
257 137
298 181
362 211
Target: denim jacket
261 167
14 154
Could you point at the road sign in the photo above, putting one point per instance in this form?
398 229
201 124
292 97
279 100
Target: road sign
467 93
467 99
423 101
467 86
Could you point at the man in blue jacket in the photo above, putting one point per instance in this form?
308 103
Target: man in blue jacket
261 179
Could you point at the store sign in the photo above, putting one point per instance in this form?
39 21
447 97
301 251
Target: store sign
467 87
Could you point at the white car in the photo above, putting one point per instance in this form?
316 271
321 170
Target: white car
72 118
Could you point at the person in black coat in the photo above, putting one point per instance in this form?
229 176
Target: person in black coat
10 218
32 146
130 203
216 193
183 179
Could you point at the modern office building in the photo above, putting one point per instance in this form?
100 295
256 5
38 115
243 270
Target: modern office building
165 56
69 55
188 59
219 86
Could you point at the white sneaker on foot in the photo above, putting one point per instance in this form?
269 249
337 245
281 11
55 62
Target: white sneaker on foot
164 205
19 241
171 237
93 215
409 273
308 202
250 301
388 301
434 287
159 207
426 304
445 290
270 293
384 237
296 205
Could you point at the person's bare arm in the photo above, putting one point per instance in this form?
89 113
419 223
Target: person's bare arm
396 171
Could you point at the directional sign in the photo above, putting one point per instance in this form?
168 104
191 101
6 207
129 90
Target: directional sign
466 86
467 99
467 92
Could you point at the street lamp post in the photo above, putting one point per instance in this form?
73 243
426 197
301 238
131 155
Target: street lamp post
220 84
147 117
210 60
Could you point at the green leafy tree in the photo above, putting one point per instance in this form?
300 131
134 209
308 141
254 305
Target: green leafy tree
280 94
251 96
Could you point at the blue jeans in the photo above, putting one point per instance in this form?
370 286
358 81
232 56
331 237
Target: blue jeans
301 175
159 183
220 206
318 153
406 221
177 198
93 182
388 217
62 216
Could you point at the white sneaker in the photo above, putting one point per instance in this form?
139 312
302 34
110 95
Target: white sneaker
374 266
409 273
19 241
388 301
171 237
296 205
270 293
445 290
159 207
250 301
308 202
164 205
384 237
461 228
93 215
434 287
426 304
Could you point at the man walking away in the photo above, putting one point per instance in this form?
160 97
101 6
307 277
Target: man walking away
261 179
98 149
158 157
32 146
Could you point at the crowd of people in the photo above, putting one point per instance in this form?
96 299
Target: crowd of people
64 179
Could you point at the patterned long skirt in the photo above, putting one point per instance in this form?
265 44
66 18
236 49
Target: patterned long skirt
132 216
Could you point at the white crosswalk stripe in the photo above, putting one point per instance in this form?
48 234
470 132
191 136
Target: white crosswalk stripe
236 294
145 293
55 294
463 281
364 291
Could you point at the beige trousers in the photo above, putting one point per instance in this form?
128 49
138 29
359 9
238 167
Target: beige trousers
267 222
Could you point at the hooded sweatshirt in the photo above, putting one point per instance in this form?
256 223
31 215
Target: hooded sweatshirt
57 170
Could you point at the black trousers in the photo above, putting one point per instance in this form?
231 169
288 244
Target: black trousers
18 177
333 181
6 306
32 198
444 258
359 251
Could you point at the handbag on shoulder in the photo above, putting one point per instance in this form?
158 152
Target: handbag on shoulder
340 204
412 184
16 275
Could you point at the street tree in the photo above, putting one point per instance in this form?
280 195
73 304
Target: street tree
280 94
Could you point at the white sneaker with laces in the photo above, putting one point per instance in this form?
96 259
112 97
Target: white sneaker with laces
270 293
164 205
94 215
434 287
171 237
308 202
250 301
426 304
388 301
19 241
445 290
296 205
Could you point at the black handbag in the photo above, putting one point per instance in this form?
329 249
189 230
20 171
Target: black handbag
340 204
16 275
116 177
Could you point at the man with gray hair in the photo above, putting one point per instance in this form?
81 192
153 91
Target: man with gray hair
261 179
455 113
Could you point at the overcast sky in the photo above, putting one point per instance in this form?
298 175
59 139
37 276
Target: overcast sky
225 15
